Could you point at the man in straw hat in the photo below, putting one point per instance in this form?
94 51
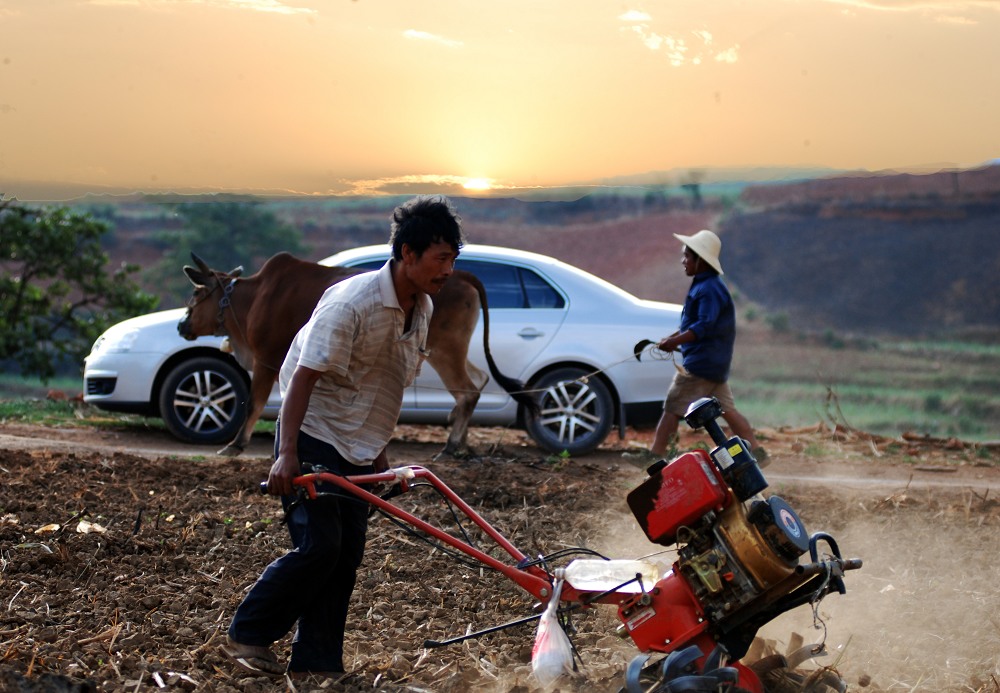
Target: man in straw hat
705 339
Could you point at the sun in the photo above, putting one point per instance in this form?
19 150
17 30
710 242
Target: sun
477 184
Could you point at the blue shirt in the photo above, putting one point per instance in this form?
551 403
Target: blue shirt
710 314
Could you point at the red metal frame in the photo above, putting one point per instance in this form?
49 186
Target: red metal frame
533 579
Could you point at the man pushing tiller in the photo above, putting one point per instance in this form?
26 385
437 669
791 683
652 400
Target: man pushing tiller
342 385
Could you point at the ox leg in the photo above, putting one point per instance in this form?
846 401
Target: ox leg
458 445
461 383
260 390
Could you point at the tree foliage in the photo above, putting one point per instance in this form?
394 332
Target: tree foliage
225 233
56 295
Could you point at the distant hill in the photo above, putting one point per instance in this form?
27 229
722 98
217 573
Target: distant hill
712 180
899 254
902 254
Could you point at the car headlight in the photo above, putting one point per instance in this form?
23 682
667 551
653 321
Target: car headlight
115 341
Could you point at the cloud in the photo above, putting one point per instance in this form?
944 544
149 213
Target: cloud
426 184
673 47
402 185
705 36
415 35
940 11
950 6
676 48
730 55
264 6
271 6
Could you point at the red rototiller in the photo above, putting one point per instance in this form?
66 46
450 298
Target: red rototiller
742 560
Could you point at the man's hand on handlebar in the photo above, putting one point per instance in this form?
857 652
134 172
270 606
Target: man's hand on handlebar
381 462
283 471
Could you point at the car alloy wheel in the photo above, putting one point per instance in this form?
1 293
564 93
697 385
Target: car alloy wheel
204 400
576 412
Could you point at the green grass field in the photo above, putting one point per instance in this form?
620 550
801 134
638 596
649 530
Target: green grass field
941 389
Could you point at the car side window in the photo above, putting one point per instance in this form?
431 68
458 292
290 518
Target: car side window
513 287
539 292
503 285
506 286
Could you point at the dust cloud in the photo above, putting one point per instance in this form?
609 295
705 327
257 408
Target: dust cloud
923 614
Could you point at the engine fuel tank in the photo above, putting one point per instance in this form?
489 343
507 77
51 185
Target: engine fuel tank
678 494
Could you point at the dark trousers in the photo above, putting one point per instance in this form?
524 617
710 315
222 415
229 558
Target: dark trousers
310 585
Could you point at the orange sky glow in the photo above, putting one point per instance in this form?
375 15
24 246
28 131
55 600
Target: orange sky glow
375 96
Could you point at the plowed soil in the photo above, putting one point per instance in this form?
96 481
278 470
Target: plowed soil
124 555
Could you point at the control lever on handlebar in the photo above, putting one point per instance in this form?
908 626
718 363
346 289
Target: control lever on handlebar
399 486
837 580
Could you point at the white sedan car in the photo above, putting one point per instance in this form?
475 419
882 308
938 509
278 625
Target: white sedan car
566 334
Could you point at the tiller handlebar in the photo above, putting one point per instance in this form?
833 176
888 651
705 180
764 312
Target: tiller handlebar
522 570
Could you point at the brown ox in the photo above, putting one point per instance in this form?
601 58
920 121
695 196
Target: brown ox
261 315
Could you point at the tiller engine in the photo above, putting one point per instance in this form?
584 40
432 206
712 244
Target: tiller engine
742 560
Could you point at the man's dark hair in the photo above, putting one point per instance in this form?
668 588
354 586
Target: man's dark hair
424 220
708 267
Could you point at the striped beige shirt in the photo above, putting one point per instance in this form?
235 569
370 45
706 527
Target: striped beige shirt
356 338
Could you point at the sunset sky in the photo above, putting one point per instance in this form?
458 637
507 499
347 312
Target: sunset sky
338 96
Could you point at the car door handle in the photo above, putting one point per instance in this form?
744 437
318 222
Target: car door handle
530 333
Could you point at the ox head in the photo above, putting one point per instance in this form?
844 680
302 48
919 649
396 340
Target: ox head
206 307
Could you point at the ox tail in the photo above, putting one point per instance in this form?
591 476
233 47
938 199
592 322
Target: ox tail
515 388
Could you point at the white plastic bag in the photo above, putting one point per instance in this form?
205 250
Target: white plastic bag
552 654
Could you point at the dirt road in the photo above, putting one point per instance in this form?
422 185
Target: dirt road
806 455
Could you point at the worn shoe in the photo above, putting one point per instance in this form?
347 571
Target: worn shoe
760 454
257 659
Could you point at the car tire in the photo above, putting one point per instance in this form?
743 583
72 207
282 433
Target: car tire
204 400
576 412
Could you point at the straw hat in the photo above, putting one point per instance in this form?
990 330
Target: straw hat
706 245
